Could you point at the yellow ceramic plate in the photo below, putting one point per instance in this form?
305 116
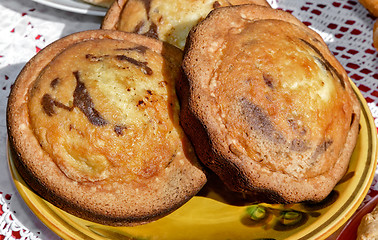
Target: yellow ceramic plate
211 216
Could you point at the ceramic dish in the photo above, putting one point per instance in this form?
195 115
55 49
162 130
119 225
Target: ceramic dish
214 214
76 6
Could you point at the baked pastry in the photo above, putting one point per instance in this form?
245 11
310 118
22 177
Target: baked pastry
371 6
93 119
101 3
368 228
266 105
169 21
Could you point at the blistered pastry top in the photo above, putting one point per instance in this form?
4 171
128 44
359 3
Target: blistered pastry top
272 81
275 103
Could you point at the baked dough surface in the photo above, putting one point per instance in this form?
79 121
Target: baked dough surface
93 119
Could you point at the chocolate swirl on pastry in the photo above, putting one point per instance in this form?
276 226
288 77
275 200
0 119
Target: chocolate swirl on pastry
266 105
94 120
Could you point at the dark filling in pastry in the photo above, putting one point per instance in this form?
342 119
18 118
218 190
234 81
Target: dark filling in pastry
260 122
81 97
152 31
82 100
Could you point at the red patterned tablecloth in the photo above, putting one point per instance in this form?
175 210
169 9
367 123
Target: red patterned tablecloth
27 26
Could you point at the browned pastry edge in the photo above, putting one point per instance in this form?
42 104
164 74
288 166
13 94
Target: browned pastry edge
193 115
111 18
81 199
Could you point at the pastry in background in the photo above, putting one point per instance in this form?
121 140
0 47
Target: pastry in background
169 21
368 228
101 3
266 105
94 121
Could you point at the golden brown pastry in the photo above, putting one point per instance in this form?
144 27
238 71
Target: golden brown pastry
169 21
368 228
93 119
266 105
371 6
101 3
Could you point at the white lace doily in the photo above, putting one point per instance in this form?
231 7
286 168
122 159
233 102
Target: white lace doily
26 27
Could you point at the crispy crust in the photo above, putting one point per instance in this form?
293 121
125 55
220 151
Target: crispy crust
112 15
226 155
120 206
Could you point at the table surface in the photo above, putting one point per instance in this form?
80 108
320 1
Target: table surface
27 26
